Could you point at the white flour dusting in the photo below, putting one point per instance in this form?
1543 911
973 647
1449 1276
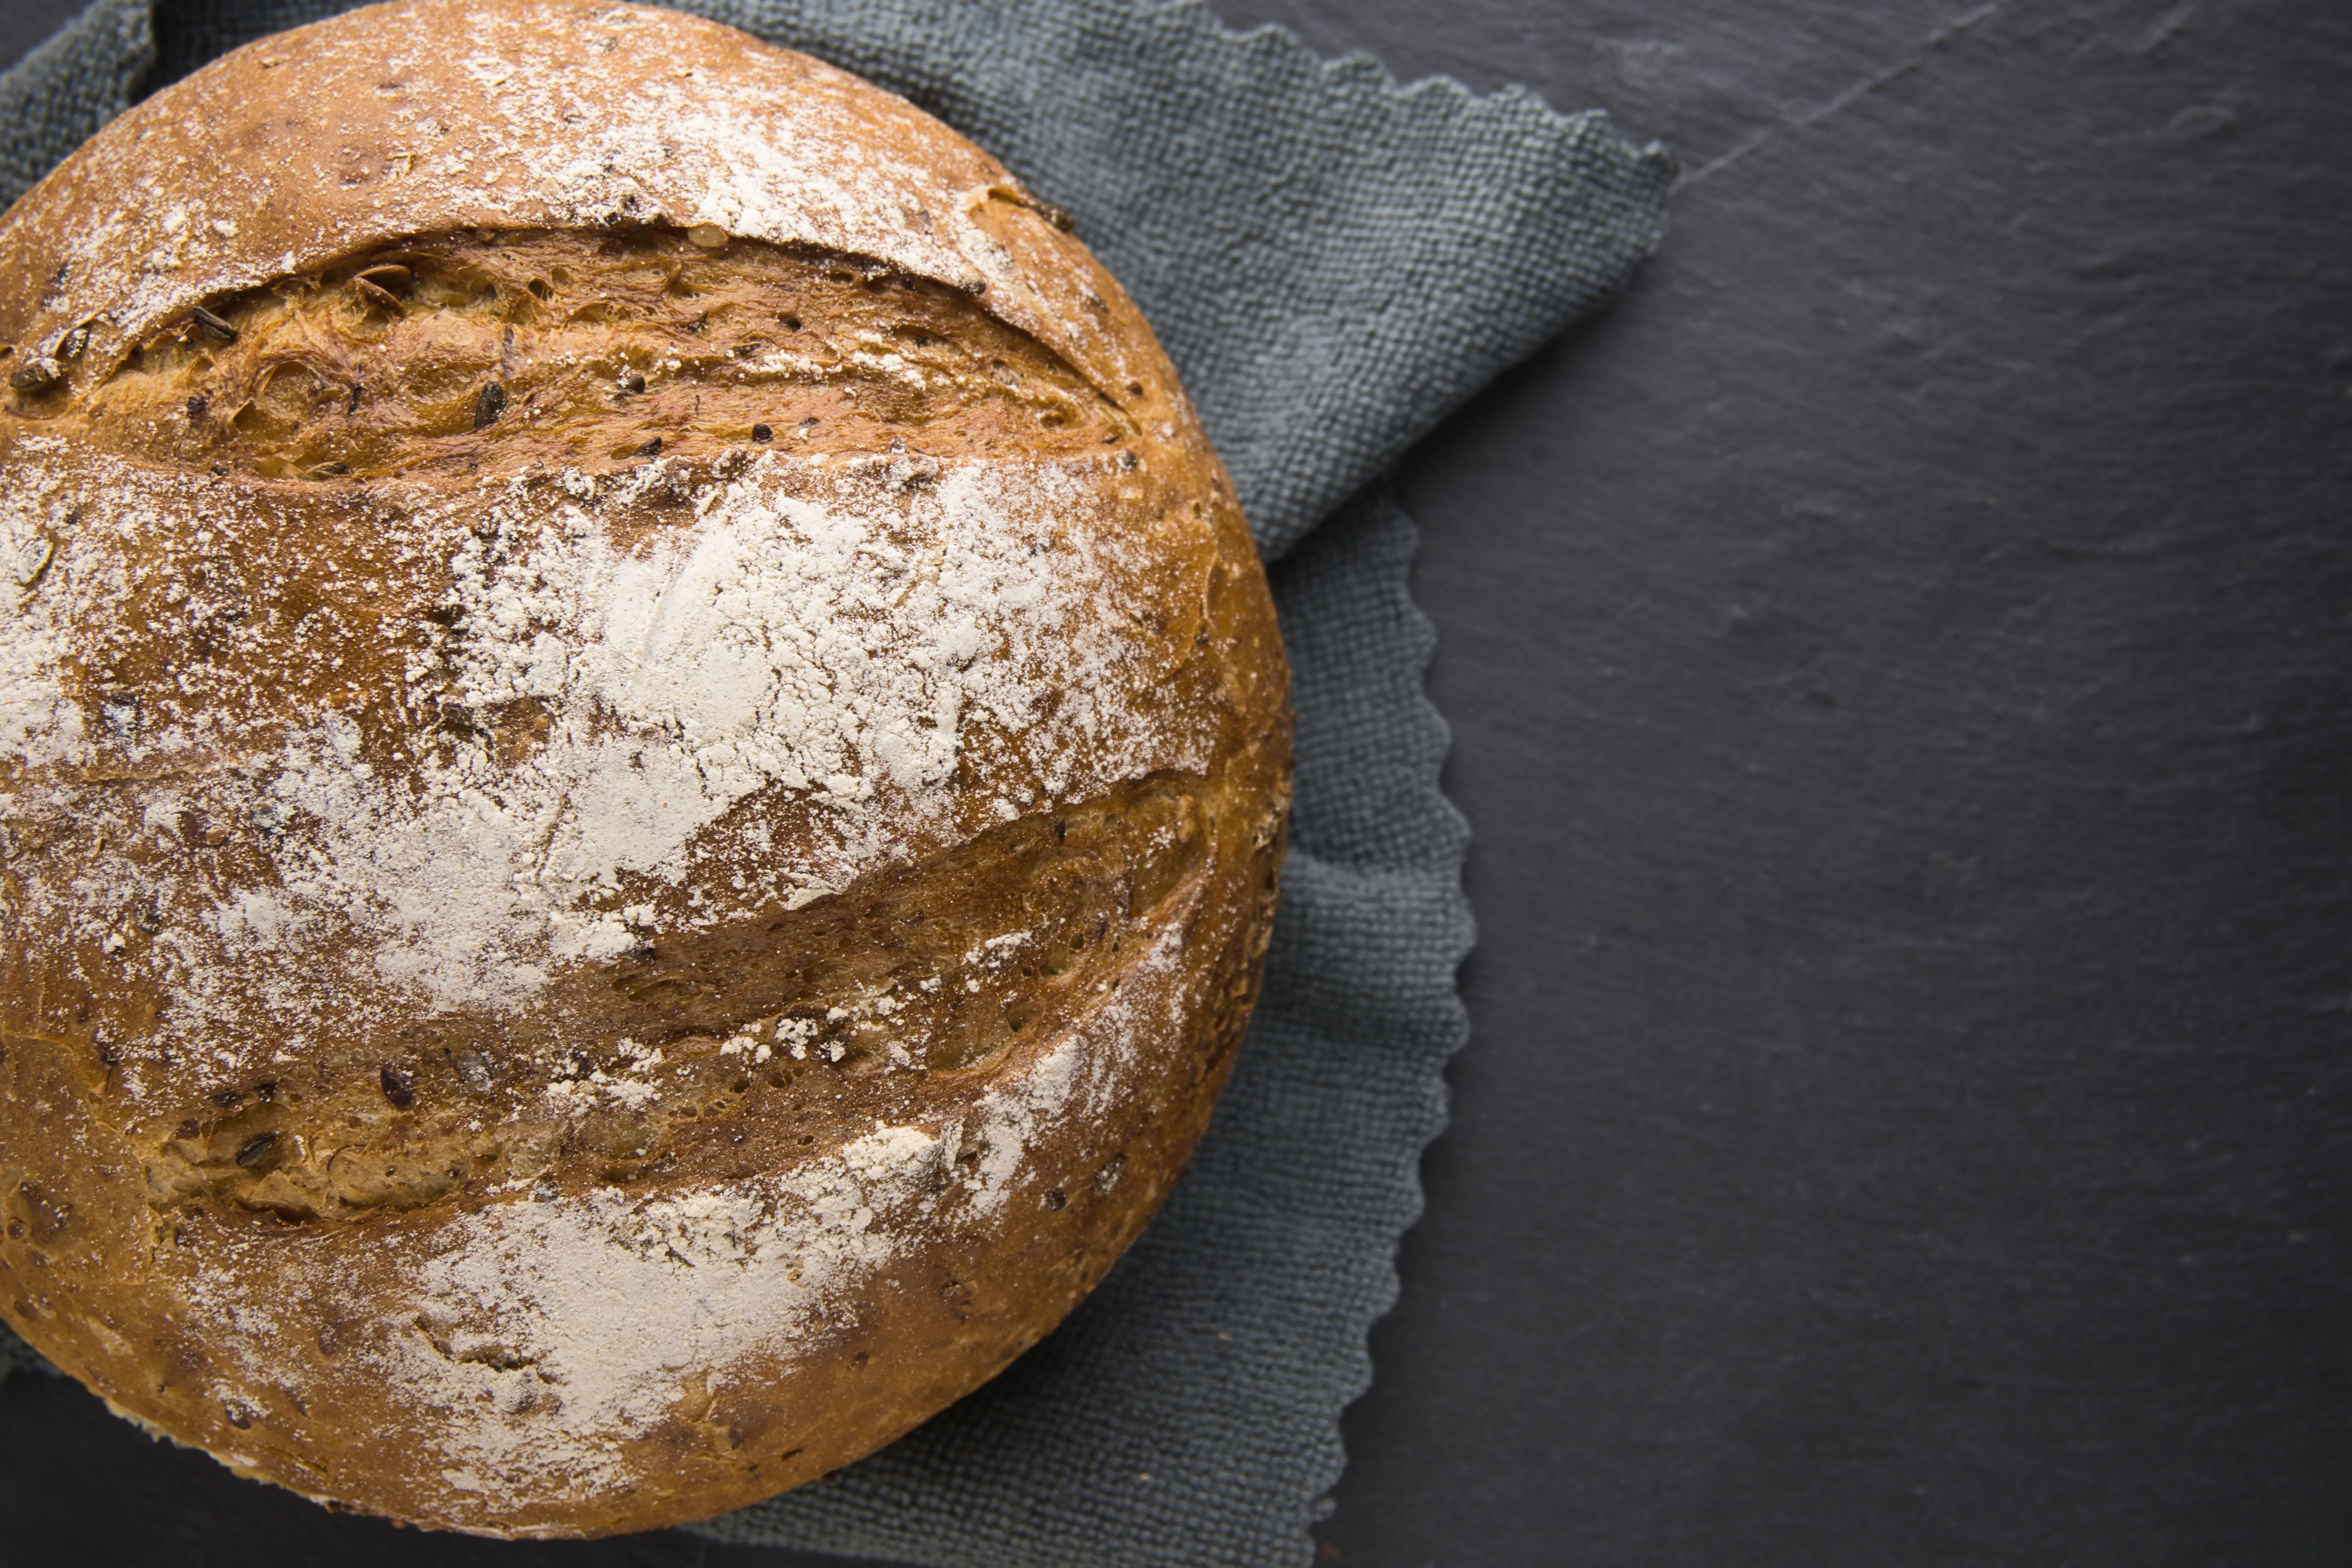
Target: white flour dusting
827 636
554 1331
38 725
778 643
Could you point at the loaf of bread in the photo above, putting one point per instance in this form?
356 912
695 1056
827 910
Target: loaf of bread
642 761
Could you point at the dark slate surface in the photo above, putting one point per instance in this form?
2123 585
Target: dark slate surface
1901 666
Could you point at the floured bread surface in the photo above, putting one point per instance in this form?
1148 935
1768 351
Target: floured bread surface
642 765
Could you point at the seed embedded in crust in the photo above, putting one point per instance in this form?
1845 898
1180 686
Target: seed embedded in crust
489 405
33 562
762 433
399 1087
377 295
708 236
37 374
212 326
256 1148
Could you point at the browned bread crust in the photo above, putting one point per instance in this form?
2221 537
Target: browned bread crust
642 766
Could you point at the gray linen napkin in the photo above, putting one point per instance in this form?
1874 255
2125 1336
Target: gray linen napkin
1334 263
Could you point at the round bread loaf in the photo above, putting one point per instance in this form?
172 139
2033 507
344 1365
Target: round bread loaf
643 760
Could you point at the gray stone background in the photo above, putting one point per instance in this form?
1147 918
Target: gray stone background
1901 669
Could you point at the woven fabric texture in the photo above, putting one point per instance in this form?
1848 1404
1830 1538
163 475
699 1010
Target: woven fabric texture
1335 263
